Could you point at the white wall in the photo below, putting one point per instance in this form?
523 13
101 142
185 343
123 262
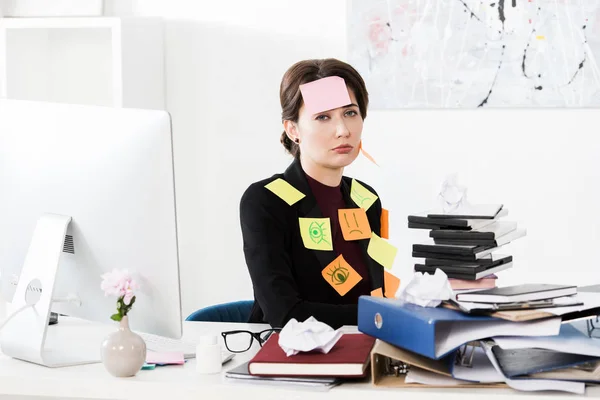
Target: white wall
224 64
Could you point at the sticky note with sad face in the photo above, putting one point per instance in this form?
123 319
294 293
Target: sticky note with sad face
354 223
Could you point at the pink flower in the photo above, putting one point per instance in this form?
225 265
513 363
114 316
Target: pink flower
119 283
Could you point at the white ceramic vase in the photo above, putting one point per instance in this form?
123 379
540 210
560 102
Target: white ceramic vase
123 352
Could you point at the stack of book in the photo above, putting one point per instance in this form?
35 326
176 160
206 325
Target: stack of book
464 243
518 336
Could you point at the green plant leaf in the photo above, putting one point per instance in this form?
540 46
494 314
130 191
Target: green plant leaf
116 317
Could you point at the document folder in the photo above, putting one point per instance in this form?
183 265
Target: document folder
435 332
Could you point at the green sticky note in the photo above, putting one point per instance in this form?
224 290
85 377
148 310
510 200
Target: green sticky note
285 191
361 195
381 251
148 366
316 233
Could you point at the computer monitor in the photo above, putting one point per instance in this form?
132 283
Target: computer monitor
84 190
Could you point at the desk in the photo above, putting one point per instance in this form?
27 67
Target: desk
18 378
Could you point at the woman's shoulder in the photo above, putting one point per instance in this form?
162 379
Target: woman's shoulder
258 192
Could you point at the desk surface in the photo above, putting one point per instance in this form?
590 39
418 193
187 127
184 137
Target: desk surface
183 382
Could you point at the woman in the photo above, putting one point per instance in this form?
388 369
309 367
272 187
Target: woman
290 277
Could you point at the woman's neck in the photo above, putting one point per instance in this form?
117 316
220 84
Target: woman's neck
327 176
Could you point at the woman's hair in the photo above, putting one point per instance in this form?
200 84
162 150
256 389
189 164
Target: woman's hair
311 70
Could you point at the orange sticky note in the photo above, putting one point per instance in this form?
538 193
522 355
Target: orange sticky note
377 292
325 94
354 223
341 276
362 149
391 284
385 224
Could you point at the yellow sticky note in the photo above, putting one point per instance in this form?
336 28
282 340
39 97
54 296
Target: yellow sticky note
340 275
316 233
285 191
377 292
391 283
540 37
381 251
354 224
361 195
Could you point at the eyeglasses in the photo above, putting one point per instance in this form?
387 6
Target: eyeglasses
240 341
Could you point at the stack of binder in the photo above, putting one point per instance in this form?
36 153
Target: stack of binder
527 350
465 244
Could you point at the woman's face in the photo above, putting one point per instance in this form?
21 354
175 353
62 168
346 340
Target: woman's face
331 138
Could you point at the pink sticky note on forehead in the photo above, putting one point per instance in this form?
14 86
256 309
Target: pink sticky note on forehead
325 94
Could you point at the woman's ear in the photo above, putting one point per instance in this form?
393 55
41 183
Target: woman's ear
291 130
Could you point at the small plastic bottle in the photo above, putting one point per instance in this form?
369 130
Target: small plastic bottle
208 355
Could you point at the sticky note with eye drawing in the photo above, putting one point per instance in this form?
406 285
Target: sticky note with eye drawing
361 195
340 275
354 224
285 191
316 233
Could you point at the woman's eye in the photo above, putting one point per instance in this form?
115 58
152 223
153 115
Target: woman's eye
351 113
322 118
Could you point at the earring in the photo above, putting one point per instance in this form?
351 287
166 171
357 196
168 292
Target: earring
297 140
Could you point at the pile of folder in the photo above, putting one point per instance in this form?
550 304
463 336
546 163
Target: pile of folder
526 350
465 243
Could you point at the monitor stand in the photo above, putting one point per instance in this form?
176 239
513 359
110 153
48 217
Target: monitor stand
28 336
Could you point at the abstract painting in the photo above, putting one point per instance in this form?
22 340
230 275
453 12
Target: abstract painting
473 53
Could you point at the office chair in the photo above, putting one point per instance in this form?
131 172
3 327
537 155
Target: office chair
237 311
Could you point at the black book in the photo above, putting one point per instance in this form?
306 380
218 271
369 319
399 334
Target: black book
491 260
466 272
532 360
518 293
416 225
473 242
446 256
490 232
450 249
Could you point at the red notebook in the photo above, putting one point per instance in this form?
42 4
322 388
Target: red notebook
348 358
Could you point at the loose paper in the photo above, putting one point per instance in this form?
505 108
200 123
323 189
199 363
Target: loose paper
377 292
316 233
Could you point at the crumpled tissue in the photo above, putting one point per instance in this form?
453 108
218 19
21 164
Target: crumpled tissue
296 337
427 290
452 195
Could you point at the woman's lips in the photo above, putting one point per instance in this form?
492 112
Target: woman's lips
343 149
